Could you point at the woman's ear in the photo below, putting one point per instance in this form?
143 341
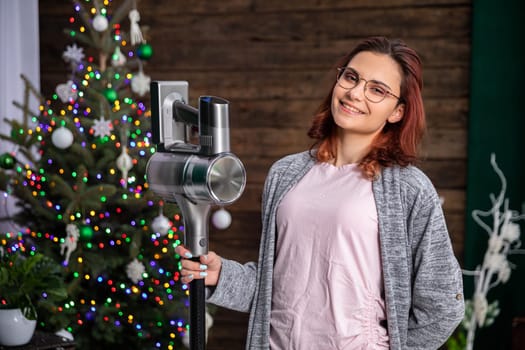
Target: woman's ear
397 114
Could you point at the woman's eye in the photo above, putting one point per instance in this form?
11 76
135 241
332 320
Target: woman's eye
377 90
351 77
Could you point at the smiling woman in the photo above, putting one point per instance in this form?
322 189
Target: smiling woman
354 216
273 60
362 113
393 127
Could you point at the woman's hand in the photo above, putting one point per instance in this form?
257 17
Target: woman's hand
209 267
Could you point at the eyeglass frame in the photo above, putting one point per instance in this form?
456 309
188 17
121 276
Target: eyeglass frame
340 72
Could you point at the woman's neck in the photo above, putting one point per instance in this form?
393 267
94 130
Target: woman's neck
352 149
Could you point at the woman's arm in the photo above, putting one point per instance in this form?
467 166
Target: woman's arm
236 286
230 284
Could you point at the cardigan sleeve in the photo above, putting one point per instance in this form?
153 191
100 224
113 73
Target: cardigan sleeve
236 286
437 286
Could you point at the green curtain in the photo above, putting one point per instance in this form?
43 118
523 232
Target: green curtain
496 125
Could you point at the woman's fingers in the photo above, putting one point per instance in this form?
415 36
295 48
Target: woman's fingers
207 267
183 252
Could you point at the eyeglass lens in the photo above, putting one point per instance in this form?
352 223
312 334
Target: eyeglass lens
349 79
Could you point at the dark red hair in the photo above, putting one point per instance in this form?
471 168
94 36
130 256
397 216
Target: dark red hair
397 144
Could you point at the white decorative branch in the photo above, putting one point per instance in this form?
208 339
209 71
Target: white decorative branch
504 239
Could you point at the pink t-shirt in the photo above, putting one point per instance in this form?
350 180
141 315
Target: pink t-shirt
327 282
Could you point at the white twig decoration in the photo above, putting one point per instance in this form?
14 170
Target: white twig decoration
504 239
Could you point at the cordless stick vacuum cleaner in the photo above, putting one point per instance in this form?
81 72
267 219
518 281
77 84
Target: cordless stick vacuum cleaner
194 175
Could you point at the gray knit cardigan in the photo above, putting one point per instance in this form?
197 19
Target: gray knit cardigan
422 278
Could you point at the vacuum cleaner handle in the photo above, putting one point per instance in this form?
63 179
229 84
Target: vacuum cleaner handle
197 315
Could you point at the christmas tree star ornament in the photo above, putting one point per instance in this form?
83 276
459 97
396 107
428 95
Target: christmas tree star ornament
102 127
140 83
62 138
135 32
134 270
124 164
100 23
73 54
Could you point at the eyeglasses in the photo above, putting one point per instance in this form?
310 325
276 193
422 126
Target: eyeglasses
375 91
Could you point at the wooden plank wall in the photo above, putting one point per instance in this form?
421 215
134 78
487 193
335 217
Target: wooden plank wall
273 60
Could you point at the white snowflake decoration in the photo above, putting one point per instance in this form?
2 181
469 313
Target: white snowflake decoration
140 83
73 54
102 127
134 270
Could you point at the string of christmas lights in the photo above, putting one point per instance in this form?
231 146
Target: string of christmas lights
104 227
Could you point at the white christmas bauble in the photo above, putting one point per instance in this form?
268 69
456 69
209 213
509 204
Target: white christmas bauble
62 138
100 23
221 219
161 225
135 269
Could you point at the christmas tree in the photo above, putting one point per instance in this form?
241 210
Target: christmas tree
77 171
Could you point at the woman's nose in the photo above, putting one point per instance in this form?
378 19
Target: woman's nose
358 91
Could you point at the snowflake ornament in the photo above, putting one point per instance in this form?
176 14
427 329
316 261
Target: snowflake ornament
73 54
102 127
140 83
134 270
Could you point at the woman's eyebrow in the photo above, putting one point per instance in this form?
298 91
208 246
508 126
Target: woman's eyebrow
372 80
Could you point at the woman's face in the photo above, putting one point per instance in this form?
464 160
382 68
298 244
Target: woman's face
352 111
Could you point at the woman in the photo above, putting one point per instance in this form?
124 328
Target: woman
355 253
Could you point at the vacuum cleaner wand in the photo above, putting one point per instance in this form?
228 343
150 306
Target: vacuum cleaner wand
193 175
